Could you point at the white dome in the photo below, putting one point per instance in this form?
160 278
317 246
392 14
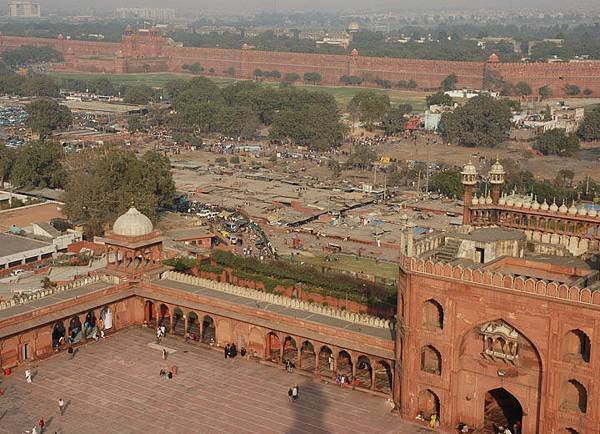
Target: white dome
563 209
502 200
469 169
554 207
133 224
497 168
475 201
582 211
544 206
593 212
488 200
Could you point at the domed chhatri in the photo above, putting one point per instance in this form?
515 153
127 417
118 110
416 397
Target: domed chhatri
133 224
497 173
493 58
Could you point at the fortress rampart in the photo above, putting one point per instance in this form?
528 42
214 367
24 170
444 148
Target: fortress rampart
149 52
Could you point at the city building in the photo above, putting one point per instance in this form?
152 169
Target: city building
150 14
24 9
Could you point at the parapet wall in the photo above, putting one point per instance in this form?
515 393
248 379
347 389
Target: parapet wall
537 287
428 74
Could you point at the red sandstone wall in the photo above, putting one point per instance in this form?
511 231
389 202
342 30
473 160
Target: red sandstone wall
426 73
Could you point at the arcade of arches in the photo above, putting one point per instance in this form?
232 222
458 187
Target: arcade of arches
319 358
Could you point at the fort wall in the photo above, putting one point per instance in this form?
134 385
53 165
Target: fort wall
158 56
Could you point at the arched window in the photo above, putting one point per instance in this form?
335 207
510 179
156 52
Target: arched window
307 356
433 315
273 347
577 346
178 322
344 363
364 372
326 361
571 431
383 376
193 326
290 351
431 360
574 396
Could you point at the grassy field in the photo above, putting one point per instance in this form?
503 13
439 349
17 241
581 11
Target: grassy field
355 264
342 94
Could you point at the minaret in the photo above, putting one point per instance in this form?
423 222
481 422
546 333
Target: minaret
469 180
496 177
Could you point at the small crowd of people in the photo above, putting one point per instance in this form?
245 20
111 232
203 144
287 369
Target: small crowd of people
230 351
433 419
161 332
168 373
293 393
343 380
516 429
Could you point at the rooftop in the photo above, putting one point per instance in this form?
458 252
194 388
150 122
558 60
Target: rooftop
14 244
26 215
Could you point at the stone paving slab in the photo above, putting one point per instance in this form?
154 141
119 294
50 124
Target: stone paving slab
113 386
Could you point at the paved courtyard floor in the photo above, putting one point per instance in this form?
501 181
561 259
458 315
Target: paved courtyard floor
113 386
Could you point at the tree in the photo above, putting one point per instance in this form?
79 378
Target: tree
291 77
312 77
140 94
587 91
40 85
545 92
314 125
370 105
447 182
564 178
590 125
351 80
439 98
134 124
335 167
234 159
523 89
394 120
482 121
557 142
39 165
28 54
45 116
230 71
7 160
103 86
104 182
572 89
362 156
195 68
450 82
258 73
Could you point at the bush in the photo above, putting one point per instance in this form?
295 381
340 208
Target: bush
557 142
572 90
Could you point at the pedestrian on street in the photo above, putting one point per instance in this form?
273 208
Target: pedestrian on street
28 376
164 354
61 406
34 430
158 335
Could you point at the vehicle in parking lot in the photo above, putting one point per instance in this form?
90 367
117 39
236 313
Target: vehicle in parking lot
17 272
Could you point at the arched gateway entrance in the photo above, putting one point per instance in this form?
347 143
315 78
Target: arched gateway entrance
501 408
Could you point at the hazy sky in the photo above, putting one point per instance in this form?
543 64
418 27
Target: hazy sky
233 6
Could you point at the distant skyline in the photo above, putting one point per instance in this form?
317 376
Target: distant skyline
246 6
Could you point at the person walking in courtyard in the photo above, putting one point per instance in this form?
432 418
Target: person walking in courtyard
42 424
226 350
295 393
61 406
164 354
28 376
290 394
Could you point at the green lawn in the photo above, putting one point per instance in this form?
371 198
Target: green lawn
342 94
384 270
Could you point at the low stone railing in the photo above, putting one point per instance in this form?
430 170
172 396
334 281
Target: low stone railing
357 318
28 297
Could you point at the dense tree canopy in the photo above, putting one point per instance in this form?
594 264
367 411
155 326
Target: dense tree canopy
439 98
482 121
104 183
450 82
447 182
557 142
371 106
590 126
46 115
7 160
394 120
140 94
39 164
28 54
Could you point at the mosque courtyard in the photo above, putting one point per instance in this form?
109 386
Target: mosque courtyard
114 386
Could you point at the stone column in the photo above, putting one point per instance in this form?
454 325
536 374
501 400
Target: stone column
317 363
299 357
372 378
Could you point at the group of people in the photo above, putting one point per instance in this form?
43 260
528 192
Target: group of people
230 351
343 380
293 393
161 332
168 373
433 419
506 430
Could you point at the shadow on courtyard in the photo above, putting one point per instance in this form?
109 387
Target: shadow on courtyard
309 410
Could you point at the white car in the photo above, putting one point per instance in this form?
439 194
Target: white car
17 272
